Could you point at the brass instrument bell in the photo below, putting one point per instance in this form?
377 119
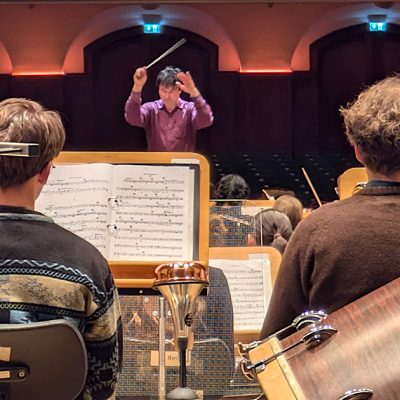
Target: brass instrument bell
180 283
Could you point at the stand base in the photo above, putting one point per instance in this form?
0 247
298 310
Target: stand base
182 394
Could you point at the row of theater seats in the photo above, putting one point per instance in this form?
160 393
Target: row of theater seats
266 171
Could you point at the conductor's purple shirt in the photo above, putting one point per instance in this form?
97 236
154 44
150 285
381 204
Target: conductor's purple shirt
169 131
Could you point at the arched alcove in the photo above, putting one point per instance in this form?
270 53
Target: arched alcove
5 61
344 62
110 62
179 16
343 17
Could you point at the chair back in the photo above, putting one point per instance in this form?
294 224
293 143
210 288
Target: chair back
350 180
41 361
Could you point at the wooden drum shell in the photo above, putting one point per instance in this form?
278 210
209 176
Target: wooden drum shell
364 353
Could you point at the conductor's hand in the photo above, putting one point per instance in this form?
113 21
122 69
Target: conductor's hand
187 84
139 79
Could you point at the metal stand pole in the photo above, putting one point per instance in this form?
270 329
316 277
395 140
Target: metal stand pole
161 349
182 364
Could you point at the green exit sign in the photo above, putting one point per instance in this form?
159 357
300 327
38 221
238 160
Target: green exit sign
152 28
377 26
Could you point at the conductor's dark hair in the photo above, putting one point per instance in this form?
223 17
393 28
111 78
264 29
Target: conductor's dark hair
232 186
167 76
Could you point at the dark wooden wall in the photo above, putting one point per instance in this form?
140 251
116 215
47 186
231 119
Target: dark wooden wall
286 113
344 62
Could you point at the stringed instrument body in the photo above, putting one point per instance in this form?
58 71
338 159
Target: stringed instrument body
362 353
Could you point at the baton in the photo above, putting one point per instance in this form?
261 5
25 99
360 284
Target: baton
170 50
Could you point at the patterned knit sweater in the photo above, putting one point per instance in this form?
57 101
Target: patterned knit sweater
47 272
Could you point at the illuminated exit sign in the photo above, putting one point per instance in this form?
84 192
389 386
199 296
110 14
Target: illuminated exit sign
152 28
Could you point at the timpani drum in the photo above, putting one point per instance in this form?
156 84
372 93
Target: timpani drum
353 354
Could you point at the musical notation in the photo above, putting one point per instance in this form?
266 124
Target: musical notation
145 255
153 231
137 246
152 214
141 197
250 286
129 207
156 190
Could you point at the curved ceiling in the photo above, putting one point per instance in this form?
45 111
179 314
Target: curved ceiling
338 19
184 17
5 61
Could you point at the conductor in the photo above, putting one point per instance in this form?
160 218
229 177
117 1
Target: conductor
171 123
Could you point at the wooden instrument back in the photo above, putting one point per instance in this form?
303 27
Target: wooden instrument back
364 353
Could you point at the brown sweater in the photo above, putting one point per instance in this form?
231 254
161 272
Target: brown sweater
341 252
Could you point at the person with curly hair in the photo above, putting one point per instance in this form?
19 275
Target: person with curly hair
231 187
228 227
346 249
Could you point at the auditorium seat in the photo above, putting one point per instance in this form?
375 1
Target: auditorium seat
278 170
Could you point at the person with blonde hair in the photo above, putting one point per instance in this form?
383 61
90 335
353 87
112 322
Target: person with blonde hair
348 248
291 206
46 271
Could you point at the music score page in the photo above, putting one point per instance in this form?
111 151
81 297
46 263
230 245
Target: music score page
129 212
250 285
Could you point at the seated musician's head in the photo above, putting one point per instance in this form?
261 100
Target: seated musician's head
271 228
373 127
231 187
26 121
291 206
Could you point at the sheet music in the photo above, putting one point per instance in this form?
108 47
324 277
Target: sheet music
250 286
76 198
154 217
129 212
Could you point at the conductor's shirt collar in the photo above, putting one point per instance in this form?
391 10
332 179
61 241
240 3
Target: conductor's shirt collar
161 105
